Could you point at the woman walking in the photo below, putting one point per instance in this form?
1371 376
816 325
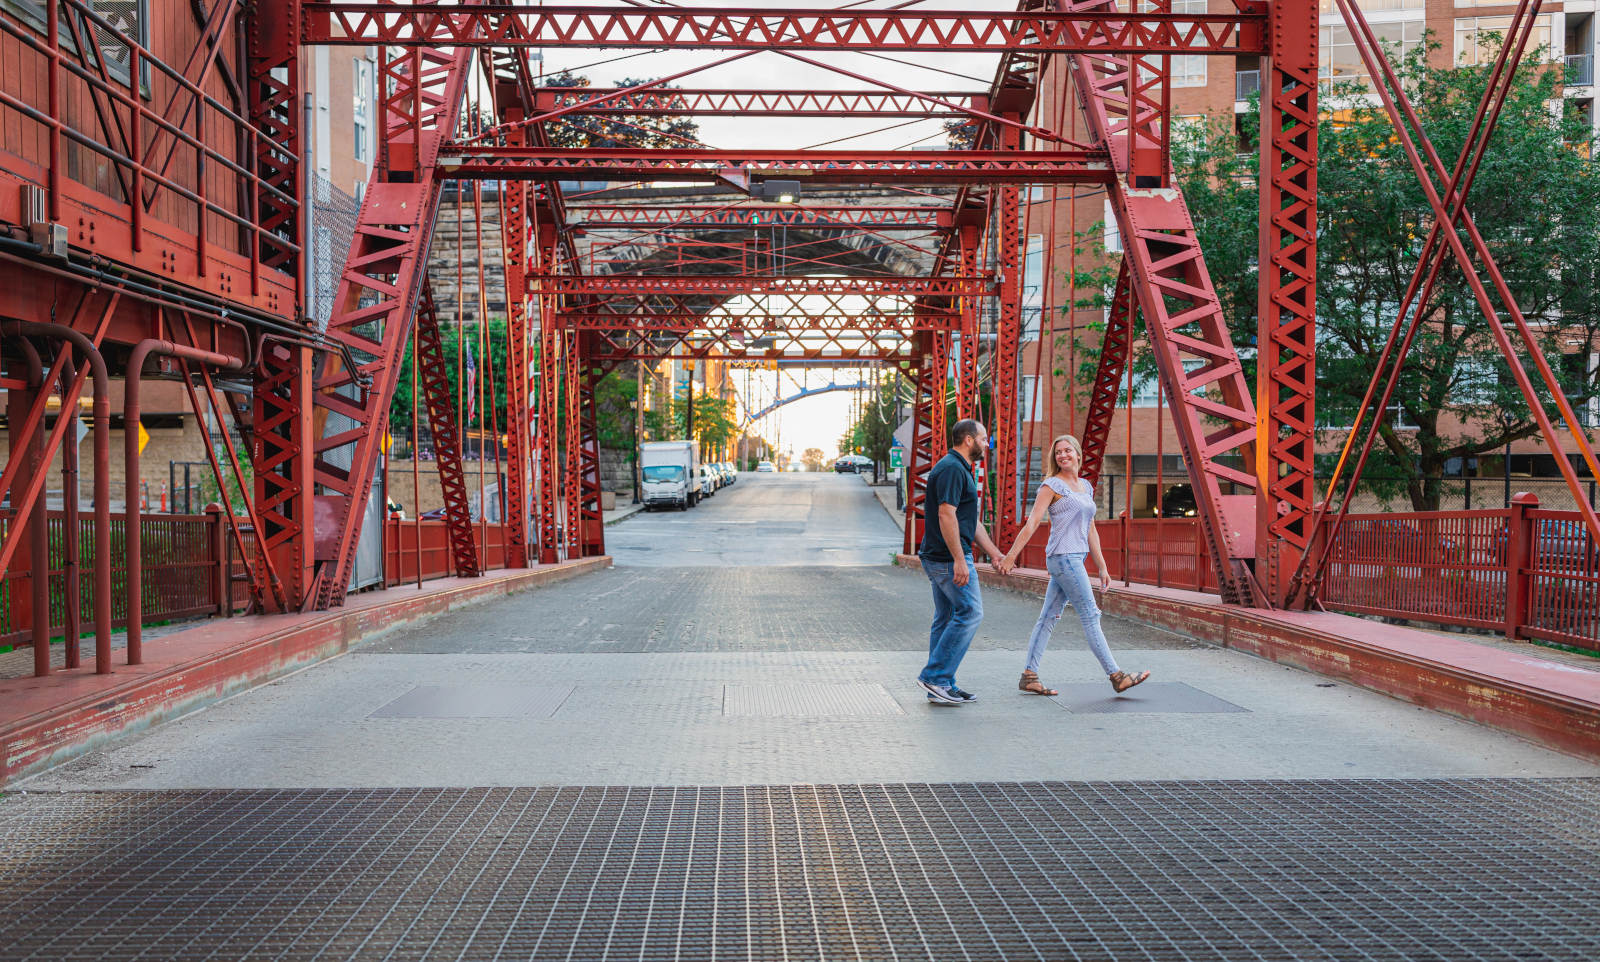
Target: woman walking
1069 502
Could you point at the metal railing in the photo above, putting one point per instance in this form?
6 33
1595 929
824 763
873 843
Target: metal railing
184 565
1580 70
1521 571
1246 83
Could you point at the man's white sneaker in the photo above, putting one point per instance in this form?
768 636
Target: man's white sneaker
941 695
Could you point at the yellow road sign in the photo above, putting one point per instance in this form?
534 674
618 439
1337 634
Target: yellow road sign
144 437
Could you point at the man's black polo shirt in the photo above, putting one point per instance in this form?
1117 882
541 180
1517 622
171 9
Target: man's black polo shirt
950 482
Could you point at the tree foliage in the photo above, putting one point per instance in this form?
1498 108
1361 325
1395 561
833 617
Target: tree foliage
1536 201
812 458
627 130
872 433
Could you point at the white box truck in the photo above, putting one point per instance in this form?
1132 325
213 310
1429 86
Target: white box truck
671 472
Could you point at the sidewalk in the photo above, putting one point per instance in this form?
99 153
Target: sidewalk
1510 688
622 512
45 721
887 496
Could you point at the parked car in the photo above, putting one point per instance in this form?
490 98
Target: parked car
708 481
731 471
852 464
766 467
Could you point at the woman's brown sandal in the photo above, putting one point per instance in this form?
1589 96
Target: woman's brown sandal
1030 684
1122 681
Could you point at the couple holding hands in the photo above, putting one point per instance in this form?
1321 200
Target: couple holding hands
951 530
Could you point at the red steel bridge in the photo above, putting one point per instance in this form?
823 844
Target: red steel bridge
157 227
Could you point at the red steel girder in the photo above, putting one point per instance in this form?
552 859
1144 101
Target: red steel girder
1004 362
380 287
929 432
967 368
515 226
691 164
433 372
591 540
548 389
364 24
1286 370
273 93
722 285
854 318
1108 376
724 216
1212 407
812 215
281 449
763 103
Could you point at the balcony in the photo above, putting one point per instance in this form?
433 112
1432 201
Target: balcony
1247 82
1580 70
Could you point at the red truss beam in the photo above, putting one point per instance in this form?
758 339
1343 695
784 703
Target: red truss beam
763 103
1114 346
1286 371
1212 407
364 24
855 338
700 165
721 285
379 290
433 371
778 314
811 215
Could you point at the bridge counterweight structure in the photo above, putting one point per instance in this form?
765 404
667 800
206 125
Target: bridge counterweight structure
227 252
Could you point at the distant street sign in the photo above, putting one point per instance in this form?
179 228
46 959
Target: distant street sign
896 457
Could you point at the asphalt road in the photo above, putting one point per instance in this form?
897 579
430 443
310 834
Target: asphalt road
765 519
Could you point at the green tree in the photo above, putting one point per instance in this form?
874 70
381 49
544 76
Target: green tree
627 130
872 434
714 422
1536 201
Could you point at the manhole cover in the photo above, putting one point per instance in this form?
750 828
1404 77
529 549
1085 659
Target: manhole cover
475 701
799 700
1150 698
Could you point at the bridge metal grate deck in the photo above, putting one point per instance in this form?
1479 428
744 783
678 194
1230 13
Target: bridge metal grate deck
1380 869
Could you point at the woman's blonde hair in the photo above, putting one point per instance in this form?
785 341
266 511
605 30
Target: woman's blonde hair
1072 442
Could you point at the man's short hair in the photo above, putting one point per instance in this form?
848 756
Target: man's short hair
964 429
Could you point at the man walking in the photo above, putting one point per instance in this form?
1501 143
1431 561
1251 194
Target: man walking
950 512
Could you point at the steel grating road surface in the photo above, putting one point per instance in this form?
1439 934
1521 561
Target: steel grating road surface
1390 869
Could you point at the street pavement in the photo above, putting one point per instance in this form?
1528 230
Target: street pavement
732 601
765 519
717 750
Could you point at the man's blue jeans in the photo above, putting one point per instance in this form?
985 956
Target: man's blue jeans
957 612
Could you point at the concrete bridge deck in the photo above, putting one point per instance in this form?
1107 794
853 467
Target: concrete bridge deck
697 759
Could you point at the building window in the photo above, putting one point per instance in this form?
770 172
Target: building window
1329 6
363 108
1478 38
1189 71
1032 286
1338 59
1028 410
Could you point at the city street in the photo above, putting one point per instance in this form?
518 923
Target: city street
780 580
765 519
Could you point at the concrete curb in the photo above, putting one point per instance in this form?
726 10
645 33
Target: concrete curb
183 675
623 514
1548 704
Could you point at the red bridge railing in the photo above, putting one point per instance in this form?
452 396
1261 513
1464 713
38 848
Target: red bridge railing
1519 571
